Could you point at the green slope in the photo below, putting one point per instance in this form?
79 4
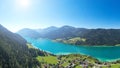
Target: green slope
14 53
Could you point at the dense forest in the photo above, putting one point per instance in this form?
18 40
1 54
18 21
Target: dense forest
14 53
66 33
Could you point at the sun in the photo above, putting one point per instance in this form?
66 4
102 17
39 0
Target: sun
23 3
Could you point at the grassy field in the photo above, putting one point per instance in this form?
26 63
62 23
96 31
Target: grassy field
48 59
71 40
115 65
29 45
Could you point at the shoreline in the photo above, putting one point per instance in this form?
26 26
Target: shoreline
100 59
117 45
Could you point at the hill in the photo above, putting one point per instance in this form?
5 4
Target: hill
14 53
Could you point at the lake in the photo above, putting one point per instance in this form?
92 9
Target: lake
102 53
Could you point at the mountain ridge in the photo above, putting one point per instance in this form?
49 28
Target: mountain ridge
98 36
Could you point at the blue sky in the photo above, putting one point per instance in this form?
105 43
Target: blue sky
18 14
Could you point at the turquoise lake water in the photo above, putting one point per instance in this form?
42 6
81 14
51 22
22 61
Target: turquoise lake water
103 53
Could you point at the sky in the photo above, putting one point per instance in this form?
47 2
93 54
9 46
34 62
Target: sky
18 14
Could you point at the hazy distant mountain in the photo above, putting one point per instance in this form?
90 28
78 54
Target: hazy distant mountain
14 53
46 30
53 32
29 32
91 36
63 32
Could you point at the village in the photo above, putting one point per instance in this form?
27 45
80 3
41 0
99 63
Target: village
78 61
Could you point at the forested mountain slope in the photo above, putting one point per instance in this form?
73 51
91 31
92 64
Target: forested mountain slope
14 53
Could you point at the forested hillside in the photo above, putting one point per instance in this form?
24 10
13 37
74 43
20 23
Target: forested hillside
14 53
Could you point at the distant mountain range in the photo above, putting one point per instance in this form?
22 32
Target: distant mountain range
68 33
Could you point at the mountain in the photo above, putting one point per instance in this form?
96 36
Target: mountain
46 30
29 32
82 36
63 32
14 53
103 37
